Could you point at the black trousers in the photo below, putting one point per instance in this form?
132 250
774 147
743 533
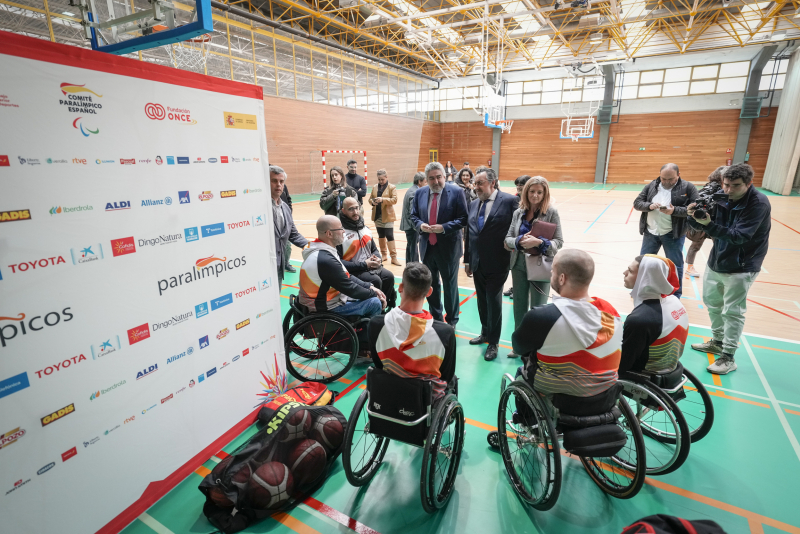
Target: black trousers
384 280
442 261
412 246
489 292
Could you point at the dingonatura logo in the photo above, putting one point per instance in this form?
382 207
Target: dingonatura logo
163 239
175 319
19 324
204 267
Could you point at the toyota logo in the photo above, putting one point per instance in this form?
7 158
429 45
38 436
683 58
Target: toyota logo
155 111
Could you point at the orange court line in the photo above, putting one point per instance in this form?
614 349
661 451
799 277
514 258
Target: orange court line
786 225
293 523
791 411
724 395
715 378
773 309
203 471
777 350
755 527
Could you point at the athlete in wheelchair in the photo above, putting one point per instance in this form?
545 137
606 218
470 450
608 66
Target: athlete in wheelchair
671 404
411 395
327 322
568 391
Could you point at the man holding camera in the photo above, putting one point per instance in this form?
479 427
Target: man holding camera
663 205
740 229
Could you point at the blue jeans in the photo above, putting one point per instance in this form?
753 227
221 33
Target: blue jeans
362 308
673 250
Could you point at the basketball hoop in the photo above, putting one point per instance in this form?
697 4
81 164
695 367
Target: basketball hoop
505 125
190 54
574 138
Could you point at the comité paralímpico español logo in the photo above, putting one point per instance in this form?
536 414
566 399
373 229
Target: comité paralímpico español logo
79 99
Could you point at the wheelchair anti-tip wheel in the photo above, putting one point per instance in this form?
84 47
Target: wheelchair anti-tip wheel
362 452
442 454
529 446
697 407
320 347
666 434
621 475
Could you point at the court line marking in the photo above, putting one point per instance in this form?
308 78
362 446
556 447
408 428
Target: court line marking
294 523
786 225
773 309
773 399
338 516
598 217
776 350
151 522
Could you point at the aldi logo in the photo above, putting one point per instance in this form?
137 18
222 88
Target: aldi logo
183 197
191 234
147 372
227 194
139 333
123 246
116 206
201 310
203 342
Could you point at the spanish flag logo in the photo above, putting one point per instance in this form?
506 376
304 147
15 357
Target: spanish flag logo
75 88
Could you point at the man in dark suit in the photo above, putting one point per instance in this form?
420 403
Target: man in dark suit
439 212
485 258
285 230
412 237
286 197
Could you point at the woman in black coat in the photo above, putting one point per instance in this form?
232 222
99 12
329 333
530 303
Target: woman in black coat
337 190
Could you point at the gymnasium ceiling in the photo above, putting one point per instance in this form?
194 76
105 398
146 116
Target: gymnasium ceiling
445 37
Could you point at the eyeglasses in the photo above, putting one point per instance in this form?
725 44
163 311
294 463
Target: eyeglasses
336 230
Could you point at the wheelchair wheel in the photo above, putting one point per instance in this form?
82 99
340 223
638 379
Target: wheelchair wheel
666 433
622 475
320 348
288 320
529 446
362 452
442 454
697 407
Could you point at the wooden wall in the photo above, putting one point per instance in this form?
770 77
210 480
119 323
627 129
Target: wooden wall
696 141
297 131
431 139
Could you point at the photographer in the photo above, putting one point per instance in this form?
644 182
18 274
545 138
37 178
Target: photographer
338 190
740 231
698 236
663 222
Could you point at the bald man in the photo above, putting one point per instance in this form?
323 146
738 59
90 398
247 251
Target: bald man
572 345
325 284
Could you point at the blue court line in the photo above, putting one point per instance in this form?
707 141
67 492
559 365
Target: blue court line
598 217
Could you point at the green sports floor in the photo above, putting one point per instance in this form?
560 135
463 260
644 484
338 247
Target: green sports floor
745 474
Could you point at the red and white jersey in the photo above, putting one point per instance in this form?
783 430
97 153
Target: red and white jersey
665 352
356 246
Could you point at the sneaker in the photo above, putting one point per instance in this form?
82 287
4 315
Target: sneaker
508 292
722 366
711 346
513 354
692 272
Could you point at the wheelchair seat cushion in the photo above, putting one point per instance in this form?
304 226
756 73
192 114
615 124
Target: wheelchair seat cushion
594 405
406 399
595 441
668 379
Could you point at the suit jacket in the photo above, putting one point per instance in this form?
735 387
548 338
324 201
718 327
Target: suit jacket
289 233
452 216
405 219
516 222
389 197
488 242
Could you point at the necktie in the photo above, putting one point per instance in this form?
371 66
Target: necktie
482 216
432 217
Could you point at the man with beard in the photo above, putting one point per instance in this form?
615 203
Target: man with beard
355 180
359 254
573 345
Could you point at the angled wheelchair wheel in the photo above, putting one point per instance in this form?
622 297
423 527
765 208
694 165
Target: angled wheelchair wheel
697 407
362 452
621 475
666 434
529 446
320 347
442 454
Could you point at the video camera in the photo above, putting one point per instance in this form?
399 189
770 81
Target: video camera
707 199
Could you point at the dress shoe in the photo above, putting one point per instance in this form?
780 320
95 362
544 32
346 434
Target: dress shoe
478 340
290 269
491 353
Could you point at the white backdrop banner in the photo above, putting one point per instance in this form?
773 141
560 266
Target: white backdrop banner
139 300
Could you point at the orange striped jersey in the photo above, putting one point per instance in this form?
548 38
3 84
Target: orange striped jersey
414 346
571 346
655 335
325 283
357 246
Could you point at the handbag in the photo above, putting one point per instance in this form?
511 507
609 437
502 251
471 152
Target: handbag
539 267
541 229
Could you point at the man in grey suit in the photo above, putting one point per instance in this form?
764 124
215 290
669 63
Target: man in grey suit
406 225
285 229
489 217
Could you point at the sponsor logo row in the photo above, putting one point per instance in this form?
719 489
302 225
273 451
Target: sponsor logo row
7 161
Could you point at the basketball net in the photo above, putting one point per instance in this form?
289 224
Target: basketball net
189 55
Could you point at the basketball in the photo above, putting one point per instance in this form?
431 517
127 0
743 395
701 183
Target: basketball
219 498
297 426
274 453
307 461
271 485
328 430
242 476
220 467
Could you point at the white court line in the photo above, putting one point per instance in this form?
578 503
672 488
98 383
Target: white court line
773 400
153 524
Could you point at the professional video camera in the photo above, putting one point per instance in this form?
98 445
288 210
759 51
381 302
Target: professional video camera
707 199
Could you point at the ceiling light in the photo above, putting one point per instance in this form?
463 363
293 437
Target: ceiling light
67 13
778 36
596 36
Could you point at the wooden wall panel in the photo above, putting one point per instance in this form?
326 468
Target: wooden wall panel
760 141
534 147
431 139
297 131
465 141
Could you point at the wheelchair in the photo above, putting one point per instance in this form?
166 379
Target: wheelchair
321 347
604 434
402 409
674 410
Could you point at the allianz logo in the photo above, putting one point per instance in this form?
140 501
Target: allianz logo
166 239
175 319
405 412
177 357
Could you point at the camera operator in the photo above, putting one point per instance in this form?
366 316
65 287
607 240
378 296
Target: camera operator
740 232
698 236
663 222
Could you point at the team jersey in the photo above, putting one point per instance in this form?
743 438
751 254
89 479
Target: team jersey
654 335
325 283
